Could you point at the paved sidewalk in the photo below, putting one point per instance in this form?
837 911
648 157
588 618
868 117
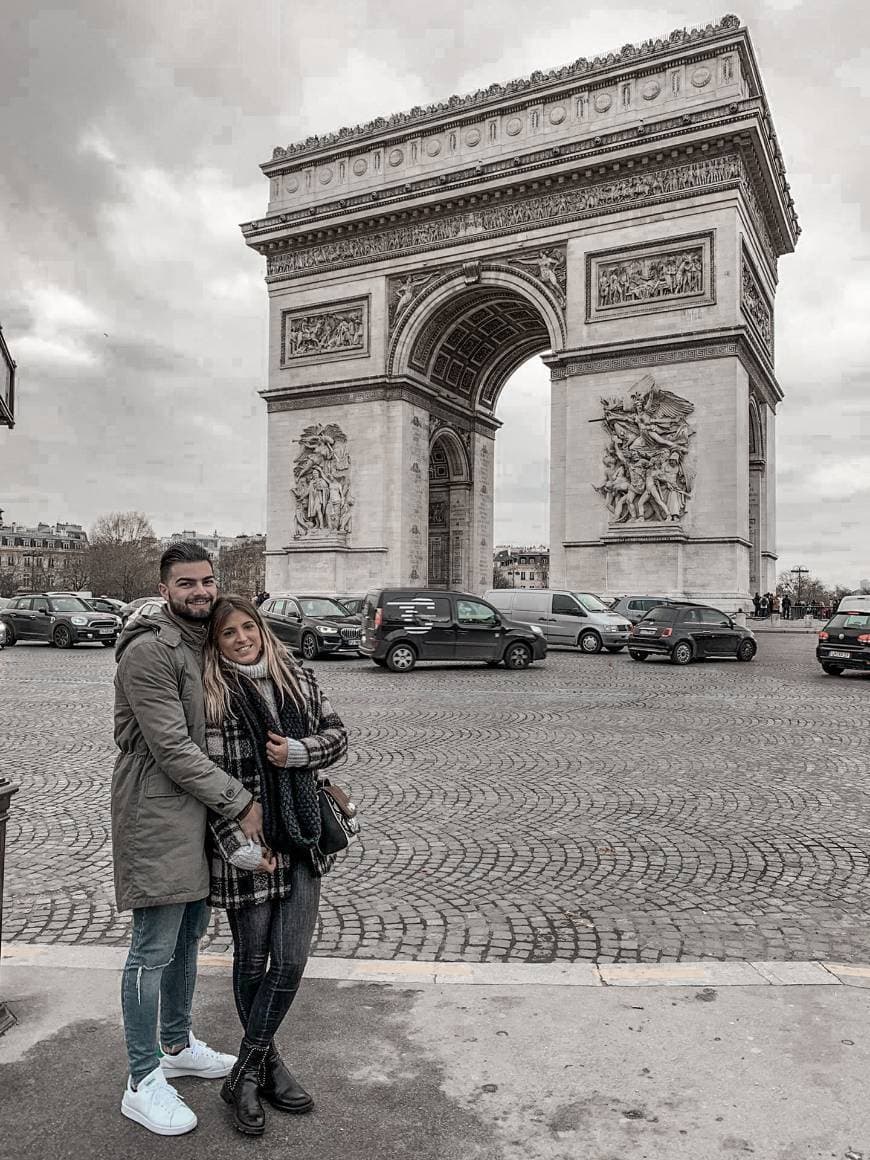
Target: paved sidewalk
436 1061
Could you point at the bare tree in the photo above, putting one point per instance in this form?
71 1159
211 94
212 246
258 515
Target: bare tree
242 566
124 556
500 578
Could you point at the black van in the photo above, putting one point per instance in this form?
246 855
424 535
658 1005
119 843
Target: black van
401 626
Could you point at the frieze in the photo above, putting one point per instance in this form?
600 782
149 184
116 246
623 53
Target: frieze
628 54
646 473
567 204
667 275
321 334
754 304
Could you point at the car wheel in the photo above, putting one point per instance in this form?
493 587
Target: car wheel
746 650
401 658
831 670
636 656
308 646
63 637
518 656
681 654
589 642
10 638
615 648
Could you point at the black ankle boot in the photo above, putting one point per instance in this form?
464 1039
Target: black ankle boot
240 1090
280 1088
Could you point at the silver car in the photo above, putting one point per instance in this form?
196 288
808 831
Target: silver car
565 617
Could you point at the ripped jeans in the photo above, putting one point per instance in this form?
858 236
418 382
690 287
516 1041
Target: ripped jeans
159 978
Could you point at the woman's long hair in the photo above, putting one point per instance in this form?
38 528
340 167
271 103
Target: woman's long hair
219 677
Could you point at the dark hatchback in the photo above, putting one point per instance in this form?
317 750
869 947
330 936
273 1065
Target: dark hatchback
312 625
401 626
844 643
63 621
690 632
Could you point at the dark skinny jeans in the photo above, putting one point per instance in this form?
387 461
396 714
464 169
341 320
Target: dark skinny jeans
271 944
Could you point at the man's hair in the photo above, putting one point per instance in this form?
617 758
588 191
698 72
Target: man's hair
185 552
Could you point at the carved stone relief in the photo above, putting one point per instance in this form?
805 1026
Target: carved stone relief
570 203
337 330
754 304
642 279
322 484
646 474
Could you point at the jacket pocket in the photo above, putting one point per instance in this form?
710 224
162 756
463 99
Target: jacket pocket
158 785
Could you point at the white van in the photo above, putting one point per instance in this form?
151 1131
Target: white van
567 618
860 602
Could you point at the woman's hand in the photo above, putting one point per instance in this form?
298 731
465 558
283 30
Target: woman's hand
268 863
276 749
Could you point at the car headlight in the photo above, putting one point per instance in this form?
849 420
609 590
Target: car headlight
326 630
78 620
537 631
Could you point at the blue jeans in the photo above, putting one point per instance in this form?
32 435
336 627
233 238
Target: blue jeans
271 941
159 978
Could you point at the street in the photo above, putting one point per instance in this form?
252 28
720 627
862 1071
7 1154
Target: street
588 809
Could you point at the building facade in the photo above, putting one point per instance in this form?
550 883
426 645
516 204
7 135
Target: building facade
7 384
45 557
624 218
522 567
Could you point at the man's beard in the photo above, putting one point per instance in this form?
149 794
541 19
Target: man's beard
197 614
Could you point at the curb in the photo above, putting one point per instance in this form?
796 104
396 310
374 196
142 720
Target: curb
404 973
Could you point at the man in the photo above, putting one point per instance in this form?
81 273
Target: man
162 788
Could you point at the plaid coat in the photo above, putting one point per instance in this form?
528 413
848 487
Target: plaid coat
229 746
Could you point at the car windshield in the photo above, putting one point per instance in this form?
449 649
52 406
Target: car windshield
320 606
70 604
589 602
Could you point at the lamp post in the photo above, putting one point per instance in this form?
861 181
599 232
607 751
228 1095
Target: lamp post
7 789
800 573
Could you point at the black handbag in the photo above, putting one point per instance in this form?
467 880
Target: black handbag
338 821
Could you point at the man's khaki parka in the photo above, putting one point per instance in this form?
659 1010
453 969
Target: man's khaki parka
163 784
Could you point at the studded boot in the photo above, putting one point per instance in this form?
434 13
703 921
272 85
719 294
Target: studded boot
240 1090
280 1088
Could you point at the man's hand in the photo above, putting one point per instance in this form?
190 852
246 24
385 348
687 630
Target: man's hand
252 824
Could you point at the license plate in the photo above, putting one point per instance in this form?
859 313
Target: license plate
842 655
646 631
106 631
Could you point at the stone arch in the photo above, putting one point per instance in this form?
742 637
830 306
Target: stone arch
469 330
756 431
450 509
455 454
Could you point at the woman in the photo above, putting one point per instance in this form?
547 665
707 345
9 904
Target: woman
270 726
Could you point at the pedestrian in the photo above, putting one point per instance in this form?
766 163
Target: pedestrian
786 607
162 789
270 726
756 601
261 598
764 607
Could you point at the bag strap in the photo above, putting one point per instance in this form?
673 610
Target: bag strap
341 799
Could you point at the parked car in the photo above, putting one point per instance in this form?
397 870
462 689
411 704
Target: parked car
401 626
844 642
63 621
127 610
635 608
354 604
689 632
311 625
145 606
105 604
857 602
567 618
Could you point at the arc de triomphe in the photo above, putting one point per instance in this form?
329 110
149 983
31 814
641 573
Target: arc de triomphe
621 216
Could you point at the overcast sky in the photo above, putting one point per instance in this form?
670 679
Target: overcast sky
131 136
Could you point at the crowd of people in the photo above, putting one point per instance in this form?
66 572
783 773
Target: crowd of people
772 604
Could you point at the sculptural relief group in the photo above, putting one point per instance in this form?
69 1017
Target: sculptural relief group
647 477
322 483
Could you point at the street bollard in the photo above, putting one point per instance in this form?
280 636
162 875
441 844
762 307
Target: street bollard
7 789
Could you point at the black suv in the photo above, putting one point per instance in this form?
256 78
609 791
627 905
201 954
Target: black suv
312 625
403 625
844 643
59 620
689 632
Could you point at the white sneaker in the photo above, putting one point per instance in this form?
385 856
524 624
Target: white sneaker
157 1106
198 1059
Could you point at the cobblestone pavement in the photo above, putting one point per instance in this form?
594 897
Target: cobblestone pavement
590 808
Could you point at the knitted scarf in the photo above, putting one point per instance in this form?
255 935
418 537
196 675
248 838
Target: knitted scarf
291 808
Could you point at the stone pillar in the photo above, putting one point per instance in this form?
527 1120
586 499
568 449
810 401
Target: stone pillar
479 572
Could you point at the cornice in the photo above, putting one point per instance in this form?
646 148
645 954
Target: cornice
727 342
537 86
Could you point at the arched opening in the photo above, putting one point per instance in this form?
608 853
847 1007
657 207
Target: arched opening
466 342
